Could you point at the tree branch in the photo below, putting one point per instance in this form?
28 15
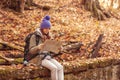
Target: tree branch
10 46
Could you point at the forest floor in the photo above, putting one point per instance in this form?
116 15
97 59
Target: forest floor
70 22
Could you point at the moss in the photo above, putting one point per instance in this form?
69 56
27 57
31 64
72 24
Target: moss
105 62
42 79
67 77
4 73
93 64
1 60
70 69
18 60
1 46
71 77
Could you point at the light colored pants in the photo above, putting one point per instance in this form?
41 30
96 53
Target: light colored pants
55 67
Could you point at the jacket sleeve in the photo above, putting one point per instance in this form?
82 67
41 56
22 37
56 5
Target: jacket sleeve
32 46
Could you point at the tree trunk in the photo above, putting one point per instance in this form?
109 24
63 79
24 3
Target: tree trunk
118 3
22 5
6 59
6 45
29 2
95 8
97 46
111 5
17 5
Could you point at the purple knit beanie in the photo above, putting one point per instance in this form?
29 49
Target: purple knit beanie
45 22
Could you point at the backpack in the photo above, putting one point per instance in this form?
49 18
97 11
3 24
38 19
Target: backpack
27 42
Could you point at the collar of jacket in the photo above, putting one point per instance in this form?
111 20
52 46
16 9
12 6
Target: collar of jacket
38 32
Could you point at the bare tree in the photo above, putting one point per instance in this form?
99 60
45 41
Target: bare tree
111 5
17 5
22 5
118 3
94 6
29 2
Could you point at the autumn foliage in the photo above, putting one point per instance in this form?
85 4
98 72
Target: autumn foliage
70 22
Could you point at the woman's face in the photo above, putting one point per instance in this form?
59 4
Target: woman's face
46 30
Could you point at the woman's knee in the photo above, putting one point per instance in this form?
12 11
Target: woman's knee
60 67
54 68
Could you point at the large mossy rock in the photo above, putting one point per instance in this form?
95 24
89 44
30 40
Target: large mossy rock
71 67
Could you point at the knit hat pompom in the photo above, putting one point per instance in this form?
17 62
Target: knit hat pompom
47 17
45 22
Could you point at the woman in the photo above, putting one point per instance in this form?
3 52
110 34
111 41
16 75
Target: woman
54 66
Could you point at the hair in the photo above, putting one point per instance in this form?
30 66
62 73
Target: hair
47 35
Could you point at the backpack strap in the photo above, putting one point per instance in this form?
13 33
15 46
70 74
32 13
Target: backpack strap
37 38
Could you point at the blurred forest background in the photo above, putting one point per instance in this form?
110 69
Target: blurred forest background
72 21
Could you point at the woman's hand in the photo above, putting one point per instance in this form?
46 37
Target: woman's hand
40 46
61 48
